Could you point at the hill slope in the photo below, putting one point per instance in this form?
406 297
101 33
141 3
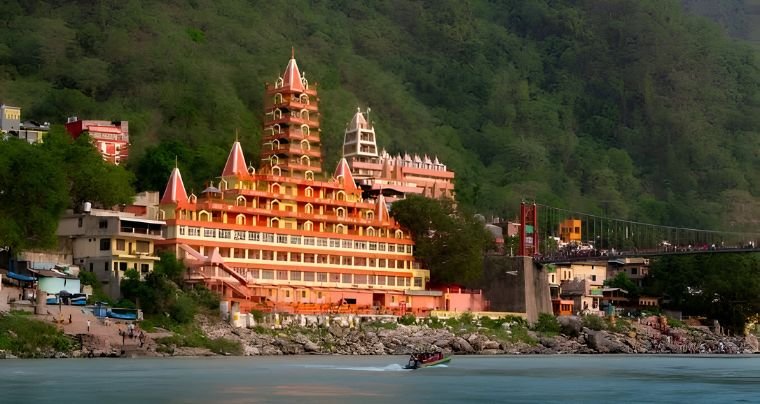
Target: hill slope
632 108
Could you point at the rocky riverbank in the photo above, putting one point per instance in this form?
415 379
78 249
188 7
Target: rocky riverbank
644 336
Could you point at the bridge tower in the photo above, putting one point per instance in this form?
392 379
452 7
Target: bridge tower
528 230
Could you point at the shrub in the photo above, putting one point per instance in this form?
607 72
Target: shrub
29 338
466 318
407 319
593 322
258 316
547 323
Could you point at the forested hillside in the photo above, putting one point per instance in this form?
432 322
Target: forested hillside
631 108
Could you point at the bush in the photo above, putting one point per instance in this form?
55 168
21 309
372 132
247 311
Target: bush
258 315
593 322
547 324
29 338
183 309
466 318
407 319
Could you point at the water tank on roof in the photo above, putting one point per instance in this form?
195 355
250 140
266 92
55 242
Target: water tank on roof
87 207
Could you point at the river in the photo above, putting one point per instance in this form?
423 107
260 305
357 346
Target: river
381 379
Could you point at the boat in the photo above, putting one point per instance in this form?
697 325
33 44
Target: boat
427 359
122 314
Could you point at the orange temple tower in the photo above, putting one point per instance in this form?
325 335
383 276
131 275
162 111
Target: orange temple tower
286 238
291 126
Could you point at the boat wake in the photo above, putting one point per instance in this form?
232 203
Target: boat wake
394 367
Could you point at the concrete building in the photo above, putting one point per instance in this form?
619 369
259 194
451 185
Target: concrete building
580 282
108 243
111 138
11 125
284 237
570 231
636 268
393 176
10 118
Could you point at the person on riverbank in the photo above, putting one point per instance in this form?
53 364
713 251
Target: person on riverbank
88 326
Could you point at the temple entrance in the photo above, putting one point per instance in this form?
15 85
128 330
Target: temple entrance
378 301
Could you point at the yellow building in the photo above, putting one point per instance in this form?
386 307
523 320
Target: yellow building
582 283
570 231
108 243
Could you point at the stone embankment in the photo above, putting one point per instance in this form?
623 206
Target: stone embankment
644 337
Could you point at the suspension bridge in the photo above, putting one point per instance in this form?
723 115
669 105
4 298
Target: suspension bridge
551 234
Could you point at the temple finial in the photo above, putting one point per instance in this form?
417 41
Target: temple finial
176 163
292 52
237 138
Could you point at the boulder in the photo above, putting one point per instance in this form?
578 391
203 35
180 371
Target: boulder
603 342
311 347
461 345
491 345
570 325
752 343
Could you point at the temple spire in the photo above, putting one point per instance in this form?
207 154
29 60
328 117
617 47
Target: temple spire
235 165
343 172
175 189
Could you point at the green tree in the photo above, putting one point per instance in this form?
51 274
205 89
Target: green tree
449 243
721 286
88 177
32 195
622 281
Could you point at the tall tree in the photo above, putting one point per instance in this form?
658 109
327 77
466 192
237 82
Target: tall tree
32 195
449 243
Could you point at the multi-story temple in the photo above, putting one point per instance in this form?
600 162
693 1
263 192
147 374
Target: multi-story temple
285 236
393 176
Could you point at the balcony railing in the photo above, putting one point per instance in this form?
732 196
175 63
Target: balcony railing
138 230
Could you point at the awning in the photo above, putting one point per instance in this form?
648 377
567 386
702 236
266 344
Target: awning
18 277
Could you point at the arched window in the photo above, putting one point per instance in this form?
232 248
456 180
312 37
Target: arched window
277 114
274 160
370 215
240 201
278 98
276 171
240 219
192 198
305 160
222 185
276 188
308 209
370 231
275 222
399 234
275 144
305 114
340 212
279 83
275 205
304 99
309 175
308 226
204 216
276 128
305 145
305 130
341 196
309 192
161 214
340 229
